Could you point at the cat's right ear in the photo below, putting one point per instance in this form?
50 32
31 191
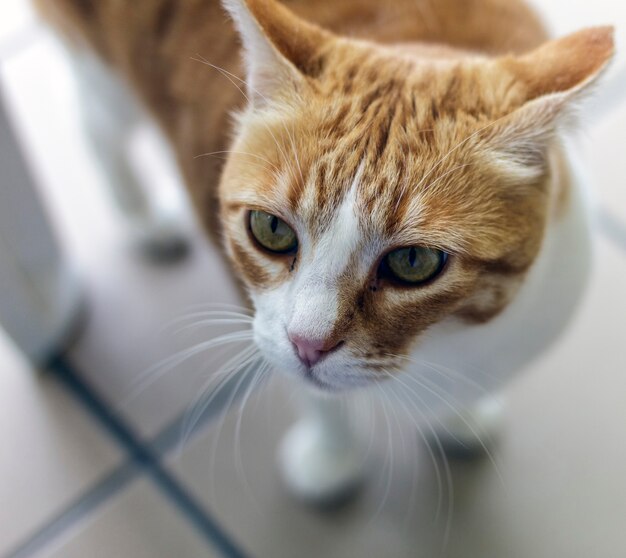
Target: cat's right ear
281 51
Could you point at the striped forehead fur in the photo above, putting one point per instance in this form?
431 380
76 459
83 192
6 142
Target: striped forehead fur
414 152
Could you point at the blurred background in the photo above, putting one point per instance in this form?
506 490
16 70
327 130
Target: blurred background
111 451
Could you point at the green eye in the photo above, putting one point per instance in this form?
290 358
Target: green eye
272 233
414 265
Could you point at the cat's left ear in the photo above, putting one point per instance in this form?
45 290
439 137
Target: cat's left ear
554 77
280 50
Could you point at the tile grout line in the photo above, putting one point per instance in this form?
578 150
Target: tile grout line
76 510
171 436
146 458
142 458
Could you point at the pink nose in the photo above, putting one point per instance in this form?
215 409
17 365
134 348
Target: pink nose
312 350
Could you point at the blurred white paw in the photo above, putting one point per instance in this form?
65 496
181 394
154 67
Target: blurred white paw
316 469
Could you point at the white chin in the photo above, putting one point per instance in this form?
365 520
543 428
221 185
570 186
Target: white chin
311 379
338 381
324 377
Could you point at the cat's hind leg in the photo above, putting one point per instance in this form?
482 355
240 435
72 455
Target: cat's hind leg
110 114
319 456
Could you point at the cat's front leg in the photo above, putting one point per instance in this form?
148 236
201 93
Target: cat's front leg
319 456
110 114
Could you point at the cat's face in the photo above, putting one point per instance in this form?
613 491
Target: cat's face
371 194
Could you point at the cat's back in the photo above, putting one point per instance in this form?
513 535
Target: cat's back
161 27
490 26
152 41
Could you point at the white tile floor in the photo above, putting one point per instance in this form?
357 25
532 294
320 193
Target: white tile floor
50 452
139 523
563 460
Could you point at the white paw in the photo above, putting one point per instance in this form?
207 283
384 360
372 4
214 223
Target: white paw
316 469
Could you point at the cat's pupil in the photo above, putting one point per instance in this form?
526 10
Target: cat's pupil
274 224
412 257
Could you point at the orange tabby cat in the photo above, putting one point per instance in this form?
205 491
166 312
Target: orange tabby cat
394 191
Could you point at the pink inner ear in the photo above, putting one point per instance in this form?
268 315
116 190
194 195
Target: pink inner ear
564 63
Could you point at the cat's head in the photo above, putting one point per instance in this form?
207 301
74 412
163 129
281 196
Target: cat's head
374 190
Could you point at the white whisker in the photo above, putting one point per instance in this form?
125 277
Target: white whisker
223 374
448 473
229 151
258 377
